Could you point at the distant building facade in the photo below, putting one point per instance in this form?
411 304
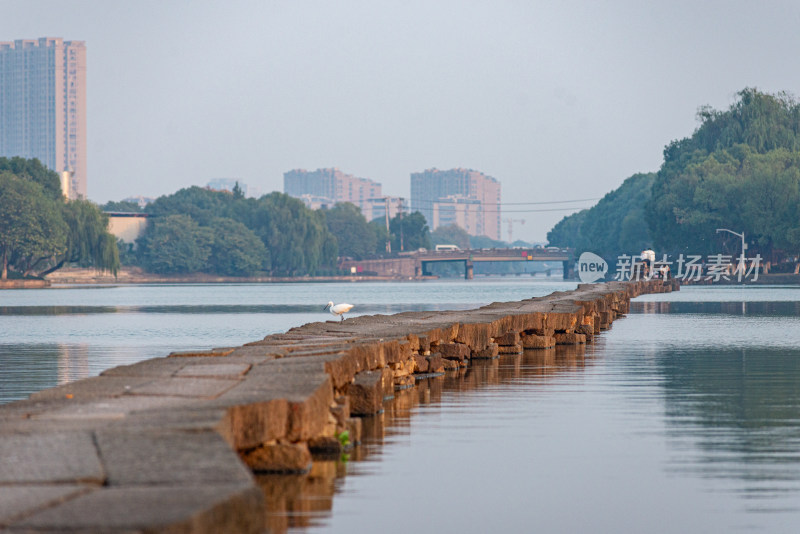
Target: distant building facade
465 197
127 227
326 187
43 106
375 208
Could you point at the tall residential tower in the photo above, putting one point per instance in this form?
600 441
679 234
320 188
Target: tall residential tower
326 187
43 105
464 197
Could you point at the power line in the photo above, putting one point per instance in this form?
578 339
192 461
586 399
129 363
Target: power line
444 200
548 202
535 211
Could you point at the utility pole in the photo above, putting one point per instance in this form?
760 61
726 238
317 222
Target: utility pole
388 234
400 214
744 245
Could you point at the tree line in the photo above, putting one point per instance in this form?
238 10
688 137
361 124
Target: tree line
740 170
41 231
196 230
190 231
224 233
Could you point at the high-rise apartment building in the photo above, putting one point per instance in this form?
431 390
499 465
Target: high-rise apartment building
43 105
464 197
326 187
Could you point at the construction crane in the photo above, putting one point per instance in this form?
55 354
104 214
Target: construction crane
511 227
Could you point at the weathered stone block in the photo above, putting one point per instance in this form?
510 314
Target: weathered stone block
250 424
435 363
454 351
450 365
354 428
218 353
19 501
424 343
222 370
490 352
421 363
208 388
325 445
155 367
366 393
507 339
308 416
55 457
510 349
281 457
340 410
548 332
404 382
570 339
191 508
474 335
538 342
168 457
562 322
92 388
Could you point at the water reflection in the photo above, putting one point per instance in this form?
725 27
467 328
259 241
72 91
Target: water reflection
303 501
738 412
27 368
758 309
221 309
73 363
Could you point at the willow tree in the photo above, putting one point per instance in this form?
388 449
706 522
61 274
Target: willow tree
32 229
297 238
40 231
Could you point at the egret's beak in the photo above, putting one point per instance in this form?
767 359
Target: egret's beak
326 307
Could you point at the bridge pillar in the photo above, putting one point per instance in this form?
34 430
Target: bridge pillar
569 271
469 273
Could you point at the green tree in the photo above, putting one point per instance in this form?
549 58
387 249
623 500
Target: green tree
615 225
738 170
200 204
89 244
33 170
122 205
32 230
175 244
378 228
297 238
411 229
236 250
451 234
238 194
353 234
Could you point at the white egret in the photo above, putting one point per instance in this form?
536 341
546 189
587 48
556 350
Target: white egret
339 309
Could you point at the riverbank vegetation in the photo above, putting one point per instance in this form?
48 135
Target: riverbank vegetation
739 170
197 230
40 231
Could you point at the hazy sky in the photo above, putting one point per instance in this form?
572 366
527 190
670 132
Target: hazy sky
558 100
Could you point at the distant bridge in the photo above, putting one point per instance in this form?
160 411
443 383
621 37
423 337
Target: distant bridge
416 264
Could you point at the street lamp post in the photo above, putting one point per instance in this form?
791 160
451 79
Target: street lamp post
744 246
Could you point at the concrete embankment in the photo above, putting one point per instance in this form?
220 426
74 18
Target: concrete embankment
135 275
24 284
171 444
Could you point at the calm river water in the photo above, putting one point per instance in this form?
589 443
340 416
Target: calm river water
684 417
